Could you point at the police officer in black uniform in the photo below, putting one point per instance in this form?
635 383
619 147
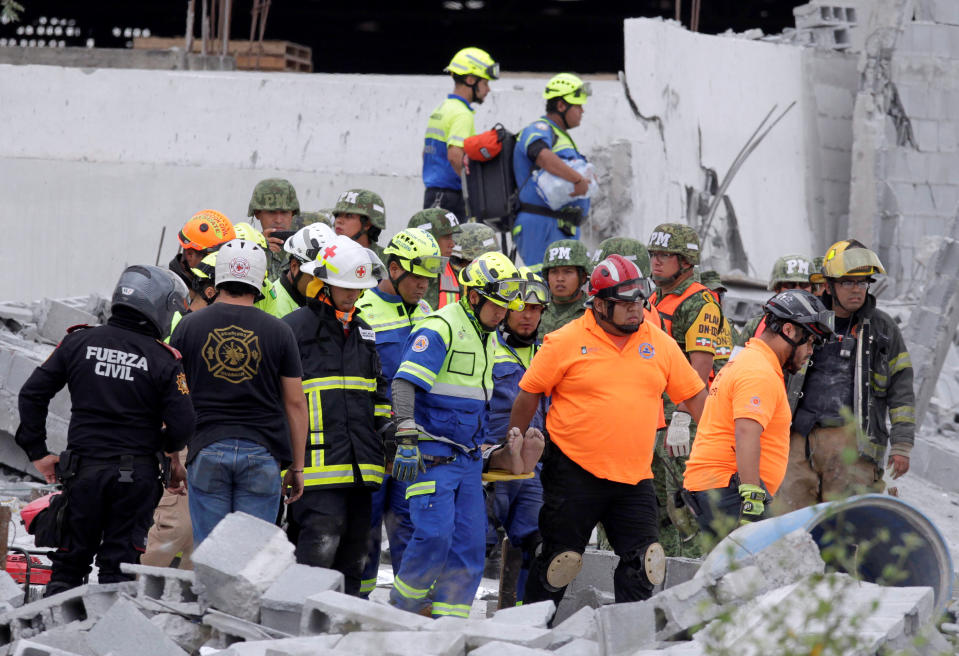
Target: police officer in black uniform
124 384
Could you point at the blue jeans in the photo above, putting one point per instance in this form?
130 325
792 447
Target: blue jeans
232 475
533 233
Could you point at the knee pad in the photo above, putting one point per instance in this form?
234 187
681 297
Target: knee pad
559 566
647 564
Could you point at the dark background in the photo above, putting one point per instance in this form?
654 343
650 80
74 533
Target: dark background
378 36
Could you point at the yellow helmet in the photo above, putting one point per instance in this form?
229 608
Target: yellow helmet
417 252
569 87
850 258
473 61
496 279
246 231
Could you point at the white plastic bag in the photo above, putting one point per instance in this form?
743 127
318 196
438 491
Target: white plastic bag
555 191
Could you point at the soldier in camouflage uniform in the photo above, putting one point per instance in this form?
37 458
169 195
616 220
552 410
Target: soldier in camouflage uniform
443 225
816 278
632 249
274 203
789 272
692 317
566 265
304 219
360 214
473 240
727 334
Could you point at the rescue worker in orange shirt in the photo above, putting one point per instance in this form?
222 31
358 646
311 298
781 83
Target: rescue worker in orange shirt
741 450
609 359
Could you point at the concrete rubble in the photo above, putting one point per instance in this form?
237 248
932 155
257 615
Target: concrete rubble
758 607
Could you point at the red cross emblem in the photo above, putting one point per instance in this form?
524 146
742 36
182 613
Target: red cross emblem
330 251
360 271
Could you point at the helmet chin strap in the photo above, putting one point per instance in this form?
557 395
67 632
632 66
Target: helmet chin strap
673 278
608 318
835 297
476 312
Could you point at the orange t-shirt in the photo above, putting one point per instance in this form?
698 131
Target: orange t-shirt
750 386
605 402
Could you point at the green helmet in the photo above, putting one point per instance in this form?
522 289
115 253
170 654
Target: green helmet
437 221
363 202
273 194
816 276
474 240
632 249
417 252
567 252
304 219
712 280
790 268
675 238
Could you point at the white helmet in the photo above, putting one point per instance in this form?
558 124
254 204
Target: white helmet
243 261
307 241
344 263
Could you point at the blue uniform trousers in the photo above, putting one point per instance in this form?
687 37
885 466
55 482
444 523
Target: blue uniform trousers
389 507
533 233
443 562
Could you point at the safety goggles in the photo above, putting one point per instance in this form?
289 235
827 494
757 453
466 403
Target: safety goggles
862 283
434 264
186 242
580 93
628 291
537 293
509 292
493 71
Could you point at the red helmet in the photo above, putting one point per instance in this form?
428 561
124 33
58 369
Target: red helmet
34 508
617 279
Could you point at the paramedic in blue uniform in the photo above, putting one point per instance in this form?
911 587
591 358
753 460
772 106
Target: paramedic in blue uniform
450 124
546 144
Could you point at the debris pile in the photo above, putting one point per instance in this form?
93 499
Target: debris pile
248 597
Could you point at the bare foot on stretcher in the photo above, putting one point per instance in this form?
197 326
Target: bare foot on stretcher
533 446
514 447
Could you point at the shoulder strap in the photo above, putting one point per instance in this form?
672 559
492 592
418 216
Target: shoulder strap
175 353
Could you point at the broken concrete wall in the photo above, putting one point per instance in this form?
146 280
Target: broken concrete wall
906 162
111 156
707 95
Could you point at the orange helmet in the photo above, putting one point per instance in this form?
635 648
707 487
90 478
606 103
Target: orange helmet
206 230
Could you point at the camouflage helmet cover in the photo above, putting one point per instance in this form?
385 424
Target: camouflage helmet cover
567 252
273 194
436 221
816 276
791 268
632 249
676 238
474 240
363 202
304 219
712 280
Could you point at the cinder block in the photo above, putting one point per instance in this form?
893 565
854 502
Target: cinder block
10 591
125 630
186 633
746 583
578 647
680 570
335 612
402 643
56 316
506 649
592 587
480 632
227 629
30 648
581 624
282 604
624 628
239 561
538 614
305 646
165 589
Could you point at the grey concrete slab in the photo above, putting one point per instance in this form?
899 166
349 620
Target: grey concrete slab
281 606
335 612
624 628
506 649
125 630
538 614
56 316
186 633
581 624
679 570
402 643
579 647
303 646
480 632
30 648
239 561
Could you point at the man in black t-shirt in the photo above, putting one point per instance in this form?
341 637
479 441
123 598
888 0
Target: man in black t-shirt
251 419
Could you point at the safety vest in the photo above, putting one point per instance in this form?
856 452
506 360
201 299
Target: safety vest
345 397
760 327
449 287
387 315
460 390
277 301
670 303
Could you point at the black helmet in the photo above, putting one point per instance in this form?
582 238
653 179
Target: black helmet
803 309
153 292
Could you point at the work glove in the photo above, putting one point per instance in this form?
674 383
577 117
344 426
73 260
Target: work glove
677 435
754 498
408 462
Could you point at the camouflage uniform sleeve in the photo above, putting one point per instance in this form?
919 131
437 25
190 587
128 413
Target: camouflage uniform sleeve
698 320
900 396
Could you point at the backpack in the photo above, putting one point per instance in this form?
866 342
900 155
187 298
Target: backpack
491 192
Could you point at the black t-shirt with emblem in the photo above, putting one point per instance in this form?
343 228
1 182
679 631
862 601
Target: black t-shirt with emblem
234 357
